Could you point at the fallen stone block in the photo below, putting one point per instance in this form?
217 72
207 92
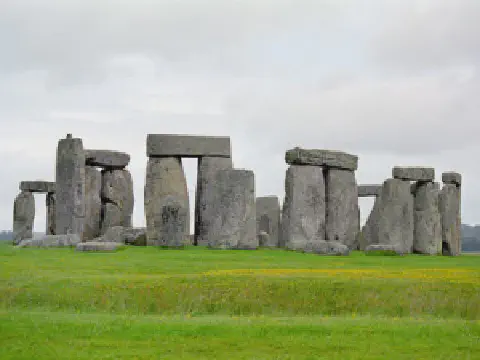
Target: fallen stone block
387 249
414 173
326 158
187 146
47 241
369 190
38 186
321 247
95 246
107 159
451 177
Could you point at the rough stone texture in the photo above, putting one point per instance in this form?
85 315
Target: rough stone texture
233 224
164 177
263 239
70 187
385 247
98 246
50 201
450 201
342 223
369 190
187 146
391 220
117 199
317 157
93 203
38 186
207 167
451 177
124 235
414 173
304 207
427 237
322 247
268 220
23 216
107 159
172 223
64 240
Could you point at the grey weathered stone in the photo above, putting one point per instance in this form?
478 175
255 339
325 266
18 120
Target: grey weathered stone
98 246
187 146
414 173
172 223
427 228
385 247
70 186
391 220
304 207
107 159
233 224
93 203
50 201
268 220
450 201
117 199
38 186
63 240
124 235
342 207
263 239
451 177
206 169
317 157
322 247
369 190
23 216
164 178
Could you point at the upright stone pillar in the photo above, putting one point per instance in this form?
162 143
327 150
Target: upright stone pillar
93 203
268 220
450 205
206 170
233 224
23 217
50 201
117 198
70 187
428 229
165 190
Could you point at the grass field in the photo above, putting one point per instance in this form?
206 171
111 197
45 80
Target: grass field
148 303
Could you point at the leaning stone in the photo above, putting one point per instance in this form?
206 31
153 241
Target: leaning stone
451 177
98 246
268 220
117 198
107 159
23 216
304 206
391 221
47 241
38 186
326 248
386 248
207 167
50 201
70 186
317 157
342 222
450 199
187 146
93 203
233 224
164 178
369 190
414 173
427 229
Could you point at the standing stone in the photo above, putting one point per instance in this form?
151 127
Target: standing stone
233 224
268 220
428 229
451 219
172 223
391 220
23 216
304 207
50 201
342 222
164 178
117 198
207 168
70 186
93 203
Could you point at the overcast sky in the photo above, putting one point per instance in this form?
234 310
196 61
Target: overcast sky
394 82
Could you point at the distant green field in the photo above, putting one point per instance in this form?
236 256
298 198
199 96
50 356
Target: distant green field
144 303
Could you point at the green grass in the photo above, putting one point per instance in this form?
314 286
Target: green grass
144 303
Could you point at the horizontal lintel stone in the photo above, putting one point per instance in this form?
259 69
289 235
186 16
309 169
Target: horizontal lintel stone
38 186
414 173
106 158
369 190
160 145
318 157
451 177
